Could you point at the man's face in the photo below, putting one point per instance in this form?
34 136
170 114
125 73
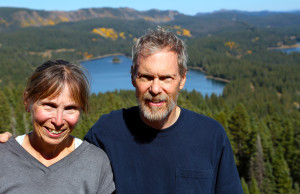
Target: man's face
157 84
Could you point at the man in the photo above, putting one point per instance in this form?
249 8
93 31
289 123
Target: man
158 147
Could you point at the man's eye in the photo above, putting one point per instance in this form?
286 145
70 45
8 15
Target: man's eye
166 78
145 77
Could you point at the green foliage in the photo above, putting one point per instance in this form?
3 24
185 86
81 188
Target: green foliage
253 189
245 186
5 113
243 138
281 173
269 184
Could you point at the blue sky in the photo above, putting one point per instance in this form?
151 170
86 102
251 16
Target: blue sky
189 7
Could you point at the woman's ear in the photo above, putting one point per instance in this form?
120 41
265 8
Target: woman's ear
26 103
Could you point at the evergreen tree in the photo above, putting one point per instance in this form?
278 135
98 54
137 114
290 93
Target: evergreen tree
253 188
245 186
257 164
269 180
296 189
266 141
221 117
5 113
281 173
289 149
243 138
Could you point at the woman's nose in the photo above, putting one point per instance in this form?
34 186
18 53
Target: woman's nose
57 120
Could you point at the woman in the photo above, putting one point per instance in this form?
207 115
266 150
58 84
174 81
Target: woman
49 159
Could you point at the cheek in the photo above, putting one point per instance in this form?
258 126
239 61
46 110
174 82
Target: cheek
73 119
172 91
39 116
142 87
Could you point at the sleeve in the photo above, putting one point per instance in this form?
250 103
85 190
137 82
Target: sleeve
106 183
228 180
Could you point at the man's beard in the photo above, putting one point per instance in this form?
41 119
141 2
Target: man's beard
154 113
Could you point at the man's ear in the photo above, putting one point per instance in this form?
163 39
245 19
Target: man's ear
182 81
133 77
133 81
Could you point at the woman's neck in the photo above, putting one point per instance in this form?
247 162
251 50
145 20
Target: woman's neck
45 153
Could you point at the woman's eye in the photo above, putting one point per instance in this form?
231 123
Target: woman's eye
71 108
49 105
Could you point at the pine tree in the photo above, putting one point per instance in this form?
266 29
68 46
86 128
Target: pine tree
296 189
253 188
243 138
266 141
257 164
289 149
281 173
245 186
5 113
269 180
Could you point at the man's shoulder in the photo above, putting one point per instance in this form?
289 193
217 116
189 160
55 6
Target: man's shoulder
114 113
118 114
115 120
198 117
200 120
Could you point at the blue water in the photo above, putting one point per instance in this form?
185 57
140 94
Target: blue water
108 76
288 51
291 50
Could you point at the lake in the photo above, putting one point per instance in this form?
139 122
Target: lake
289 50
297 49
108 76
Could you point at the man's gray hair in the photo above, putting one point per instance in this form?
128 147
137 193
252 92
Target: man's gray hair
156 40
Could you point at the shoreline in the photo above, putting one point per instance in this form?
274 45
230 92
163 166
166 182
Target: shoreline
197 68
217 79
209 76
297 45
102 56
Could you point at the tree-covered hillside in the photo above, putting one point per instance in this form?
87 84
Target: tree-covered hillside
260 105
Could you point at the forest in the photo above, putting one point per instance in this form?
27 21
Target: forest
259 107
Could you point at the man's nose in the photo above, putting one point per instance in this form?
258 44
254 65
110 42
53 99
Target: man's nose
155 87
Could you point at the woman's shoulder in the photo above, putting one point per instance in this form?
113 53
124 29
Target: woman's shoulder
93 151
11 142
10 149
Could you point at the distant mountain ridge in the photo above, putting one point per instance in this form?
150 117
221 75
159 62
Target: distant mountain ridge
257 18
14 18
202 23
253 13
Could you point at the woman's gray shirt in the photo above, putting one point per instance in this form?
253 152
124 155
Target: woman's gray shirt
85 170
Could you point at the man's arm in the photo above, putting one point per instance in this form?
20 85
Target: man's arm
4 137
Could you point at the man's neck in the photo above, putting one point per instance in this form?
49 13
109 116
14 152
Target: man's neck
165 123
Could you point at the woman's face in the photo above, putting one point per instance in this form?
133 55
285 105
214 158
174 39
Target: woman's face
54 119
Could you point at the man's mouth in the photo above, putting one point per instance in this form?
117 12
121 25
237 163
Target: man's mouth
155 103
